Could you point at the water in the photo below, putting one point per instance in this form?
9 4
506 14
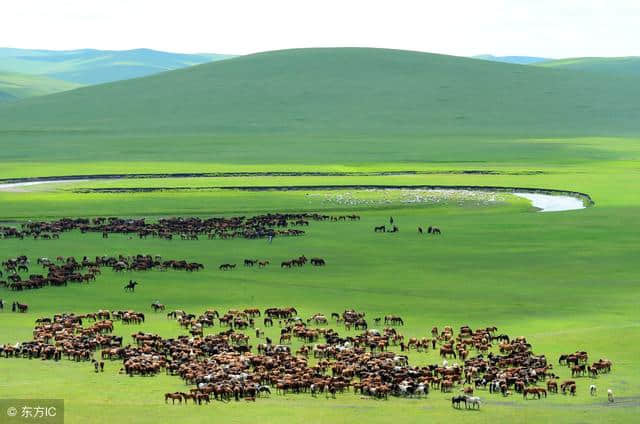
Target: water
552 203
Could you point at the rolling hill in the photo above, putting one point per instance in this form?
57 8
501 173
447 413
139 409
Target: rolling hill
627 66
324 106
91 66
18 86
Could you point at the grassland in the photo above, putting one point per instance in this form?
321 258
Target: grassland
17 86
565 280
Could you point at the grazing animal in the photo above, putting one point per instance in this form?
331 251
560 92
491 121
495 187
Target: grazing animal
157 306
457 400
19 307
173 396
226 267
131 286
473 402
434 230
380 229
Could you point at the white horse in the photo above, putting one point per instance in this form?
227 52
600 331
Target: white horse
421 390
610 395
593 390
473 401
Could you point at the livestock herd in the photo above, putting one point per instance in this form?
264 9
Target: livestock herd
291 263
187 228
226 365
61 271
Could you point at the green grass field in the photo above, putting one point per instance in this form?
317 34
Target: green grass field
567 281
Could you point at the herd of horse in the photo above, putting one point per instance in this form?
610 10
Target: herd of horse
188 228
295 262
225 365
65 270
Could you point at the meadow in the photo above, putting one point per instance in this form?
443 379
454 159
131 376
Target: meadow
564 280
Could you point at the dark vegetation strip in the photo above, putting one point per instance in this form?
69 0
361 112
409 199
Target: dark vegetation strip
263 174
584 196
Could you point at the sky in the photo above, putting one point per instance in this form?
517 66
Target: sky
547 28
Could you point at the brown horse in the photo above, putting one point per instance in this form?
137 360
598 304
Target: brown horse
173 396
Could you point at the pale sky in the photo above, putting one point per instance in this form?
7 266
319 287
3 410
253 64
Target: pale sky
549 28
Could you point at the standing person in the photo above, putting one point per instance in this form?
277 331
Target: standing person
391 220
1 304
270 238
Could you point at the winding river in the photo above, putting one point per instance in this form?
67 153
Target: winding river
544 202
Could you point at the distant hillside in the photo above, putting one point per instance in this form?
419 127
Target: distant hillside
520 60
330 105
629 66
18 86
97 66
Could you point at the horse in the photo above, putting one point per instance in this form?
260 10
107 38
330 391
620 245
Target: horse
434 230
173 396
532 391
262 264
19 307
380 229
457 400
157 307
318 262
264 390
473 401
226 267
250 262
131 286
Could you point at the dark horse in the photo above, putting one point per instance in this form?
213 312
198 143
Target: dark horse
434 230
20 307
457 400
131 286
380 229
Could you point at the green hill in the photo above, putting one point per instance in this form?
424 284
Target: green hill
628 66
90 66
324 105
18 86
